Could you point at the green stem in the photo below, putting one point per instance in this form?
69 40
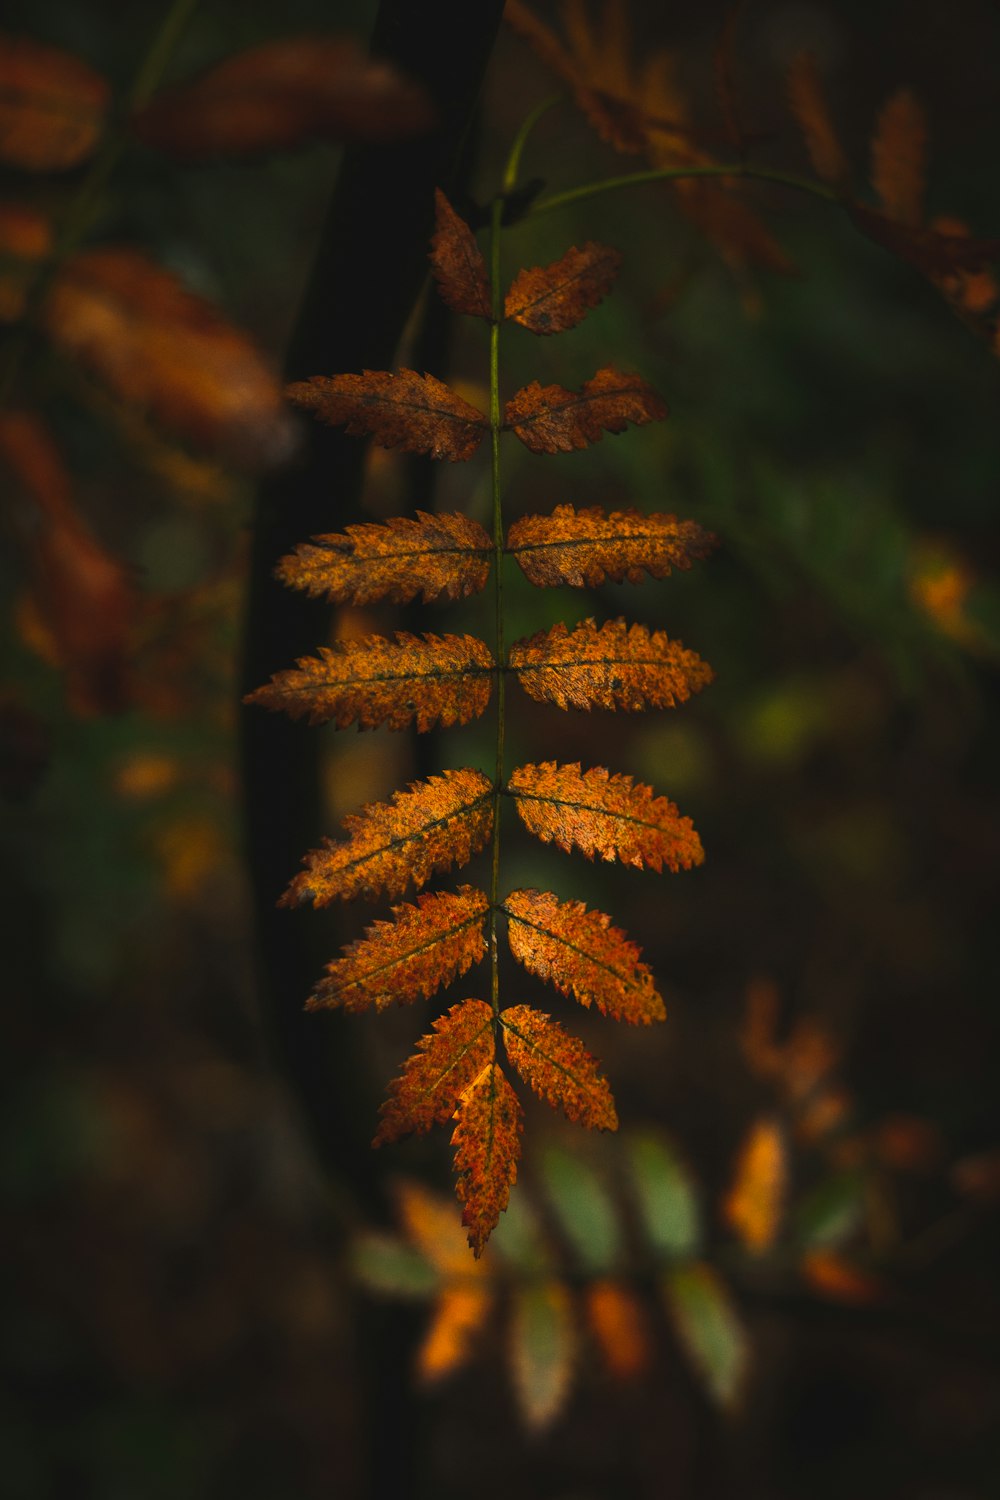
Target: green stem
674 174
496 215
521 140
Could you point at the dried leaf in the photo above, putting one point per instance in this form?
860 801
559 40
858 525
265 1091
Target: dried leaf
582 955
487 1146
52 106
457 262
709 1329
584 547
434 556
753 1205
550 419
447 1061
542 1348
424 947
166 351
549 299
810 108
404 410
616 666
423 679
558 1067
605 814
25 240
899 152
459 1314
618 1323
295 89
438 823
938 255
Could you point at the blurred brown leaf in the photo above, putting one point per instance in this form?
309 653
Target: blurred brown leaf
25 240
52 106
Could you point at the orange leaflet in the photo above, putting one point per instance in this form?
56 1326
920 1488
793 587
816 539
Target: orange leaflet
429 679
459 1313
457 262
899 152
618 1323
558 1067
487 1146
829 1274
614 666
580 953
25 239
160 348
433 556
424 947
438 823
294 89
583 547
550 419
403 410
605 814
753 1206
446 1063
549 299
52 106
809 106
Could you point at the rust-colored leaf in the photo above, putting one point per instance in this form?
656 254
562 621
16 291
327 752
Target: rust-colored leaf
403 410
487 1146
52 106
294 89
618 1323
899 152
605 814
25 239
558 1067
584 547
833 1276
580 952
164 350
447 1061
427 679
459 1314
423 948
937 254
437 823
614 666
432 1226
753 1206
549 299
433 556
457 262
810 108
550 419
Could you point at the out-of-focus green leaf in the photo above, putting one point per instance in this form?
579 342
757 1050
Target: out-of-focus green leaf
518 1238
709 1328
386 1265
665 1195
831 1212
541 1350
584 1209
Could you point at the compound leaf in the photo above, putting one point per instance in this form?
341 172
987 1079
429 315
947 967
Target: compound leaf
400 410
429 679
558 1067
487 1146
550 419
433 556
424 947
584 547
582 955
447 1061
457 262
437 823
605 814
549 299
614 666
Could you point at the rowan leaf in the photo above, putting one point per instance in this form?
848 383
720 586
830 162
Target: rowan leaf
584 547
665 1195
293 89
52 106
434 556
459 1314
432 1225
810 108
162 349
403 410
614 666
487 1146
550 419
437 823
899 151
426 679
542 1349
709 1328
549 299
558 1067
601 813
618 1322
457 262
447 1061
579 952
422 948
752 1208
